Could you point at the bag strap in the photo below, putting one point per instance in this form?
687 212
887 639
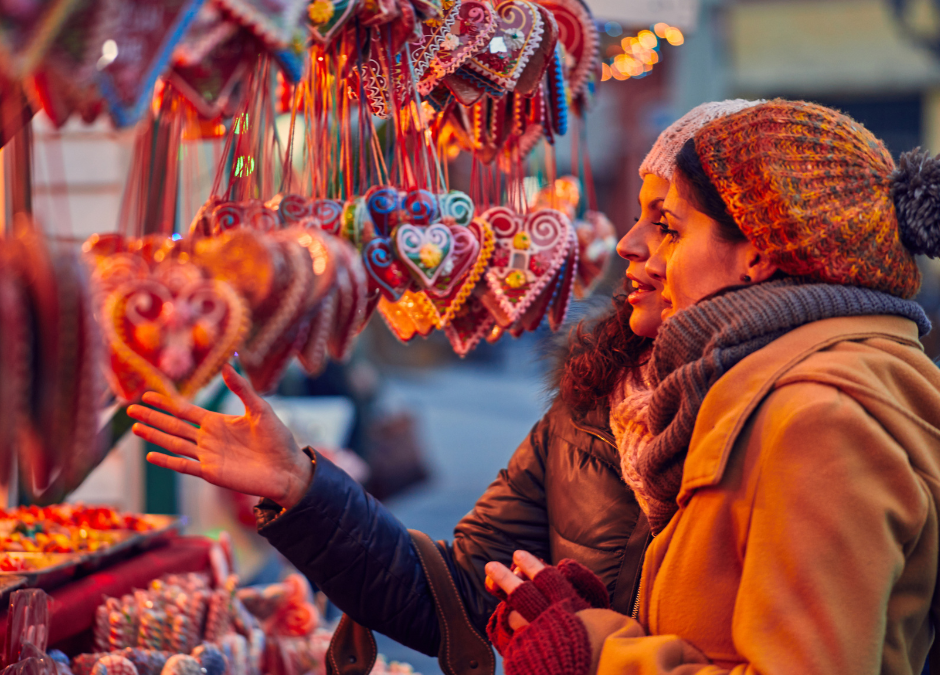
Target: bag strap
463 650
352 649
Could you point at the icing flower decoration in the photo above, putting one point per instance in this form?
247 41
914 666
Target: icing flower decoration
320 11
451 42
431 255
515 279
514 38
521 241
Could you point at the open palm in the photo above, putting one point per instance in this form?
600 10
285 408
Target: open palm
253 453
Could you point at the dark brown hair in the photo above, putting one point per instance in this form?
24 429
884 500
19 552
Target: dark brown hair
697 187
597 356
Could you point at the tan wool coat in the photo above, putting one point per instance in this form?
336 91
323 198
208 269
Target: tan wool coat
806 539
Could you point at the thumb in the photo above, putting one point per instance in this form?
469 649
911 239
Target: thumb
242 389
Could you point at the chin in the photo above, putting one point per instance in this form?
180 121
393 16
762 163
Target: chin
643 323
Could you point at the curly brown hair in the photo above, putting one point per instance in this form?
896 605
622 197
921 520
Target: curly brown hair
598 354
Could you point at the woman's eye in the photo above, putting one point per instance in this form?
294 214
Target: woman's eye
666 232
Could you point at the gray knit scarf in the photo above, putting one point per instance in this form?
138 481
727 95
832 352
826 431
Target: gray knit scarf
697 346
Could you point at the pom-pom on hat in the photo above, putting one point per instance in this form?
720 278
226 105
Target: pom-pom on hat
661 159
815 191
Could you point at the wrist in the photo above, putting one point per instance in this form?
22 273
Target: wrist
298 479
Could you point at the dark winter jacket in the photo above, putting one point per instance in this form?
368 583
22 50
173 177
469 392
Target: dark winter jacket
561 496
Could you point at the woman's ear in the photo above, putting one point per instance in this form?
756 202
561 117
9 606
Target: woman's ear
759 267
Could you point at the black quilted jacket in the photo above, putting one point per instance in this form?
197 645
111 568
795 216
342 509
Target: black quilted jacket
560 497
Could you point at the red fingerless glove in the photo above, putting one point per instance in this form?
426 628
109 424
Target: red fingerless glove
556 643
571 585
588 585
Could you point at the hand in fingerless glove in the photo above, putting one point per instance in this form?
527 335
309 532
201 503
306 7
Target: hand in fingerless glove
556 643
570 584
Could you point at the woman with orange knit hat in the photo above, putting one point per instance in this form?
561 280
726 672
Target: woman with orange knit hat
792 475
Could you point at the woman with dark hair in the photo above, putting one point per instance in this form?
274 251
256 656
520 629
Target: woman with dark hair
562 494
792 477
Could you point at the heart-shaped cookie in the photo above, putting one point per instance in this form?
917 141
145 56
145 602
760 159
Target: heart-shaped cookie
458 206
539 61
472 255
578 33
424 250
313 356
597 241
469 325
382 202
352 298
327 214
420 207
328 17
528 251
433 32
562 300
474 25
170 342
502 61
386 273
293 209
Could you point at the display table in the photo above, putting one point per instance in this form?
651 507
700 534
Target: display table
72 608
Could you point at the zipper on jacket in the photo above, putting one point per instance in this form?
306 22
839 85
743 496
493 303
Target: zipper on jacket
597 434
635 614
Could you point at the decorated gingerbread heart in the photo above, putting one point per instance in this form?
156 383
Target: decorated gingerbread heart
581 40
329 17
499 65
474 25
458 206
433 35
293 209
386 273
272 22
327 214
597 240
170 342
534 70
470 325
528 251
313 355
382 203
566 284
420 207
473 247
424 250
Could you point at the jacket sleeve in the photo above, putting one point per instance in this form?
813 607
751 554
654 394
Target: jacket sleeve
836 512
511 515
354 550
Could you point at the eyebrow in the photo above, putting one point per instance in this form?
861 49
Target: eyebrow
667 211
658 200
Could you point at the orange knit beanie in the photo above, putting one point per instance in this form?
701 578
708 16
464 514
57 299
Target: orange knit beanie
820 195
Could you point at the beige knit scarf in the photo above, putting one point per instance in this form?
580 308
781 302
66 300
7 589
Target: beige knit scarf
629 420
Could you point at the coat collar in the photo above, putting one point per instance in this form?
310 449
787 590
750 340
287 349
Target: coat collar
732 399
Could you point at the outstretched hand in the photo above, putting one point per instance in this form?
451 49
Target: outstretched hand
254 453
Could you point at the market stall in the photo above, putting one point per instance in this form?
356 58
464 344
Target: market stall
330 128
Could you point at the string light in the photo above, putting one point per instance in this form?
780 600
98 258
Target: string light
638 53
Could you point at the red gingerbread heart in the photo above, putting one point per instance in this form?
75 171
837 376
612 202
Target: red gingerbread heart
470 325
386 273
499 65
578 33
169 342
528 251
473 26
473 247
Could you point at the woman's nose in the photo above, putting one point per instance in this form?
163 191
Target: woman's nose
656 264
632 246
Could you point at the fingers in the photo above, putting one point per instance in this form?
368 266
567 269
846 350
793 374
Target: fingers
528 563
516 621
242 389
502 577
177 464
176 406
166 441
161 421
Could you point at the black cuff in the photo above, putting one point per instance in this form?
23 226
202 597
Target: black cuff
267 510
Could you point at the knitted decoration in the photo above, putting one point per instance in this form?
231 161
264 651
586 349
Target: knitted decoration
661 159
811 189
915 186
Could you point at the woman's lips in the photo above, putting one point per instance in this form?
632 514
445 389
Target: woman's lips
640 291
